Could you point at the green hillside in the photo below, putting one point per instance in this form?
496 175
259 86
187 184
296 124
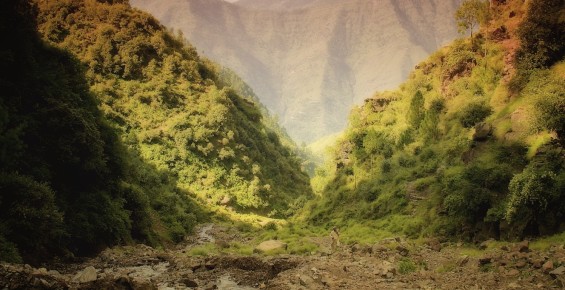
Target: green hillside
113 129
469 147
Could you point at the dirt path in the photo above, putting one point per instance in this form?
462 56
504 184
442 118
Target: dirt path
390 264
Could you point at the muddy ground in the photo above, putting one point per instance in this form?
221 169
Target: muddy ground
389 264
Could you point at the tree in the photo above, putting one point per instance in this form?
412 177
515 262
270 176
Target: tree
542 34
470 14
417 112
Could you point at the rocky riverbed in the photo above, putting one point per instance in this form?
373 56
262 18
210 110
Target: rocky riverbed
389 264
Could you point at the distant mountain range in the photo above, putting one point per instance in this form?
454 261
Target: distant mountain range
310 61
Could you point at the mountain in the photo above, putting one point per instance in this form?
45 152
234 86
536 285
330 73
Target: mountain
310 61
470 147
279 4
114 130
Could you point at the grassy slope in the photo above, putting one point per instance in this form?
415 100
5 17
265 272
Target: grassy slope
411 163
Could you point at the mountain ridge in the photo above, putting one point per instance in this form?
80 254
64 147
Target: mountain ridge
310 65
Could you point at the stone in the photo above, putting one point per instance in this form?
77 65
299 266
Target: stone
210 265
385 269
483 245
547 267
306 281
87 275
463 261
403 251
499 33
189 283
379 249
435 245
513 286
482 132
560 271
503 262
520 264
522 247
225 201
512 273
537 263
485 260
269 246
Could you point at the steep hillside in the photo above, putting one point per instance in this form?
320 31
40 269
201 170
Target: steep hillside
469 147
112 128
310 61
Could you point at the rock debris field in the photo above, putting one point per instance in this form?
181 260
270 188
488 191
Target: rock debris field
389 264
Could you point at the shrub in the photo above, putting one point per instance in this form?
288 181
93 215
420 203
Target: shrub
406 266
30 219
473 114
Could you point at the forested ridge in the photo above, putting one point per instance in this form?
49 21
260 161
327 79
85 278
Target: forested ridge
112 127
470 147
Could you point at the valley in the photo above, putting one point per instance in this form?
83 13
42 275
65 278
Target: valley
129 161
311 61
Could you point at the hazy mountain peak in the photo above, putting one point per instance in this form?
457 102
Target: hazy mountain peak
310 61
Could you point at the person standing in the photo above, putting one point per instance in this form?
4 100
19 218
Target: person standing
334 235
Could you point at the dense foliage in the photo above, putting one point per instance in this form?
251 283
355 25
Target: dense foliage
455 151
111 127
542 36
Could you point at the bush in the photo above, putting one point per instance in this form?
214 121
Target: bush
8 250
30 219
406 266
542 35
473 114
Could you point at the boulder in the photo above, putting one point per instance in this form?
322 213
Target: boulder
512 273
482 132
89 274
463 260
560 271
520 264
434 245
269 246
306 281
547 267
485 260
500 33
522 247
403 251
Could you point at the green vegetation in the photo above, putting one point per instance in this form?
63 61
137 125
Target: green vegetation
113 130
406 266
542 36
456 152
470 14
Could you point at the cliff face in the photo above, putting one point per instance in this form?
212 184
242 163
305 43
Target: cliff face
310 61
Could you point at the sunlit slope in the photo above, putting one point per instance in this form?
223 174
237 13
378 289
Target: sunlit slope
470 146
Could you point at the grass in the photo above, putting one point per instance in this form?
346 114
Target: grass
546 242
471 252
406 266
446 268
204 250
536 141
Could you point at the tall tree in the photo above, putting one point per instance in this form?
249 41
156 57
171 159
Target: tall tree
470 14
